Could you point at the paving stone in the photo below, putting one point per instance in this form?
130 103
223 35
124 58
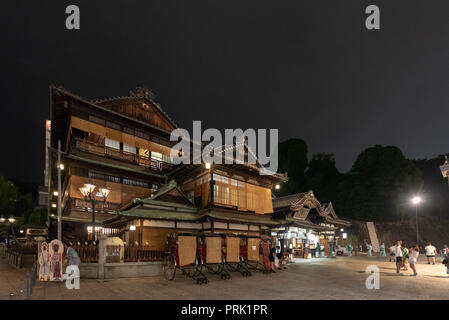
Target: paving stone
341 278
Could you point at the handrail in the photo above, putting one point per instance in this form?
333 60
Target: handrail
103 150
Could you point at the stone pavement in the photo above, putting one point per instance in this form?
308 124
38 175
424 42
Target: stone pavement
341 278
11 279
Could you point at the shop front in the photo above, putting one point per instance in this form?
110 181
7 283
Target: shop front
298 242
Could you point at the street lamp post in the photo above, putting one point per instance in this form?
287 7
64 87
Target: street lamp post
88 192
10 221
416 201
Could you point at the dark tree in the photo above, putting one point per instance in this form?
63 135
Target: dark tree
293 161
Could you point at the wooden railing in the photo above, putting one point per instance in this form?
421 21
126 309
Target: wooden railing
100 206
122 155
143 253
89 254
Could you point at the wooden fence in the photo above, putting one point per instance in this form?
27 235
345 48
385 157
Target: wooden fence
143 253
89 254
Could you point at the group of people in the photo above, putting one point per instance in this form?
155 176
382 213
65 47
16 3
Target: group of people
404 256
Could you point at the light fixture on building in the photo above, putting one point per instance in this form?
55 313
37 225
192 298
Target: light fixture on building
207 165
52 215
11 220
21 231
132 227
87 189
105 192
277 187
55 193
53 205
61 166
342 229
2 220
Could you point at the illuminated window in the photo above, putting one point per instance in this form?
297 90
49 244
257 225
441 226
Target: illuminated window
156 155
144 153
112 143
129 148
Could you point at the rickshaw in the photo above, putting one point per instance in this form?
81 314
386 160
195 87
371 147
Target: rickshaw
255 249
233 257
183 255
212 255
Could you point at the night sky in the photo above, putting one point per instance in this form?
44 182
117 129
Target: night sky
309 68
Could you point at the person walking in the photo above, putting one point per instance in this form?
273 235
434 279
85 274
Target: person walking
393 253
445 251
413 259
350 248
446 262
398 254
369 247
430 253
405 257
382 252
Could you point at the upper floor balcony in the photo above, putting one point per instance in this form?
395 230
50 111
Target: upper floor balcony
121 155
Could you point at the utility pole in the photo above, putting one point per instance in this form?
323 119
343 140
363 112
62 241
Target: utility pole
59 190
417 232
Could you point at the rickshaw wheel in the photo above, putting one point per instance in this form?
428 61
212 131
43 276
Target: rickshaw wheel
216 268
169 267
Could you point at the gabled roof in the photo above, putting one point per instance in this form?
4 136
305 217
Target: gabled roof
297 201
61 90
170 193
329 209
138 94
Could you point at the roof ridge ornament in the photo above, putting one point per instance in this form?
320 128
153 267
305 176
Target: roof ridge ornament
142 92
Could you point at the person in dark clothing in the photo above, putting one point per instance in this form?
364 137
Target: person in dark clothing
271 258
280 259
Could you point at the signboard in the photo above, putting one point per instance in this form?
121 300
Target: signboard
301 214
113 253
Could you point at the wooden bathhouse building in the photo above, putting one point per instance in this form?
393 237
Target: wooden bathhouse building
117 164
116 157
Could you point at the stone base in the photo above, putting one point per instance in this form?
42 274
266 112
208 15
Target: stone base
122 270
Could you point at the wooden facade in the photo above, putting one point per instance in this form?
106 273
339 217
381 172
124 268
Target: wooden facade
123 144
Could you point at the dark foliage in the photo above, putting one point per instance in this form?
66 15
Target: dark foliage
378 187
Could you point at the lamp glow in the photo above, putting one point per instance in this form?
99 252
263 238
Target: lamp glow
207 165
105 192
132 228
277 187
416 200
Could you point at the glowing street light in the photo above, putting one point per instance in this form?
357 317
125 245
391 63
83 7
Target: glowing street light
88 192
416 200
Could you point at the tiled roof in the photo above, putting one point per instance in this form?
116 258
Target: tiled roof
289 200
138 93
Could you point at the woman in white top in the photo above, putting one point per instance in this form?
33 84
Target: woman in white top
413 258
